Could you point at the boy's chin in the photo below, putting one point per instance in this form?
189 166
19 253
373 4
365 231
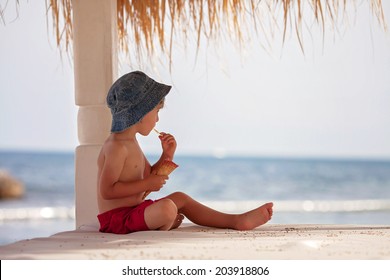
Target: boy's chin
145 133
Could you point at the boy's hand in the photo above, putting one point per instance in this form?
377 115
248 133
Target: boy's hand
163 169
168 144
156 182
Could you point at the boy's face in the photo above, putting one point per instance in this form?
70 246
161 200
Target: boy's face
149 121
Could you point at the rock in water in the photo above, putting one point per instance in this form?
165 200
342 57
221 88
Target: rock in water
10 187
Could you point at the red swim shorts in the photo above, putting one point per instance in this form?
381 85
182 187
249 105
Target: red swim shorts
124 219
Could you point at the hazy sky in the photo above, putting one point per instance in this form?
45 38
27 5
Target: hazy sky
334 101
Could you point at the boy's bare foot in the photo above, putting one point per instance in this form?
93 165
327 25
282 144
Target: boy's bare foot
178 221
255 217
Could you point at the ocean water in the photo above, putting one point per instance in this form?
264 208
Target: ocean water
316 191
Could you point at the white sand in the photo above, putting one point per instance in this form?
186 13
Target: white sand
278 242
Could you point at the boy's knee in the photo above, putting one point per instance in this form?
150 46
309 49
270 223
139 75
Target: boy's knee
181 196
168 209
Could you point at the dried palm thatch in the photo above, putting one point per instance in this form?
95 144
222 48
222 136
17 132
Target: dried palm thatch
147 25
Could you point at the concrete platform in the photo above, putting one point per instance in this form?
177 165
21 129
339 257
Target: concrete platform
272 242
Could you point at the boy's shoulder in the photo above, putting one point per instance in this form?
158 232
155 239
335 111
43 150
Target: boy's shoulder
114 146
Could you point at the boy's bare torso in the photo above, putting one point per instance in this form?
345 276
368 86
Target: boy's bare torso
135 167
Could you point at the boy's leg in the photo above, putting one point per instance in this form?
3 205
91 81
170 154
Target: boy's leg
162 215
203 215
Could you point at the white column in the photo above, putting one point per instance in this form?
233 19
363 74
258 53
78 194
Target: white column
95 69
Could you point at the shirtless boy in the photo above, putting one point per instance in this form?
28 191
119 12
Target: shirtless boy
124 173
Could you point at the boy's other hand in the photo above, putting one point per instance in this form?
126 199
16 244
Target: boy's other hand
156 182
168 144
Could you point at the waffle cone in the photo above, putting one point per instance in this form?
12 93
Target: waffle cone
165 168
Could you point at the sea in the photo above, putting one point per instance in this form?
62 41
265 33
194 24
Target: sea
304 190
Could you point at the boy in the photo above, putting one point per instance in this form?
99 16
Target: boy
124 173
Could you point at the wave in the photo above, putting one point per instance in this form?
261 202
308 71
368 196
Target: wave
367 205
308 206
34 213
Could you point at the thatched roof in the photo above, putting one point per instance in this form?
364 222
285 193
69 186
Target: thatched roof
148 25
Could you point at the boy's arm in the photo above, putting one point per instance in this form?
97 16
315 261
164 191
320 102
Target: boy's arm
168 144
111 188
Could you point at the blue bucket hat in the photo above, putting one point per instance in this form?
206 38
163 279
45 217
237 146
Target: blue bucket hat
131 97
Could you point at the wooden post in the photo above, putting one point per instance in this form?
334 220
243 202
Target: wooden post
95 69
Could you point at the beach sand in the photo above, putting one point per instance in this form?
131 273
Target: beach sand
271 241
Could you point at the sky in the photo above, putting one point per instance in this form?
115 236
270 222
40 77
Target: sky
332 101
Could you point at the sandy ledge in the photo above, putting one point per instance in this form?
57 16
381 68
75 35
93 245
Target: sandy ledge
280 242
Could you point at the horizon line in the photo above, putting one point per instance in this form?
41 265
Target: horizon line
384 158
